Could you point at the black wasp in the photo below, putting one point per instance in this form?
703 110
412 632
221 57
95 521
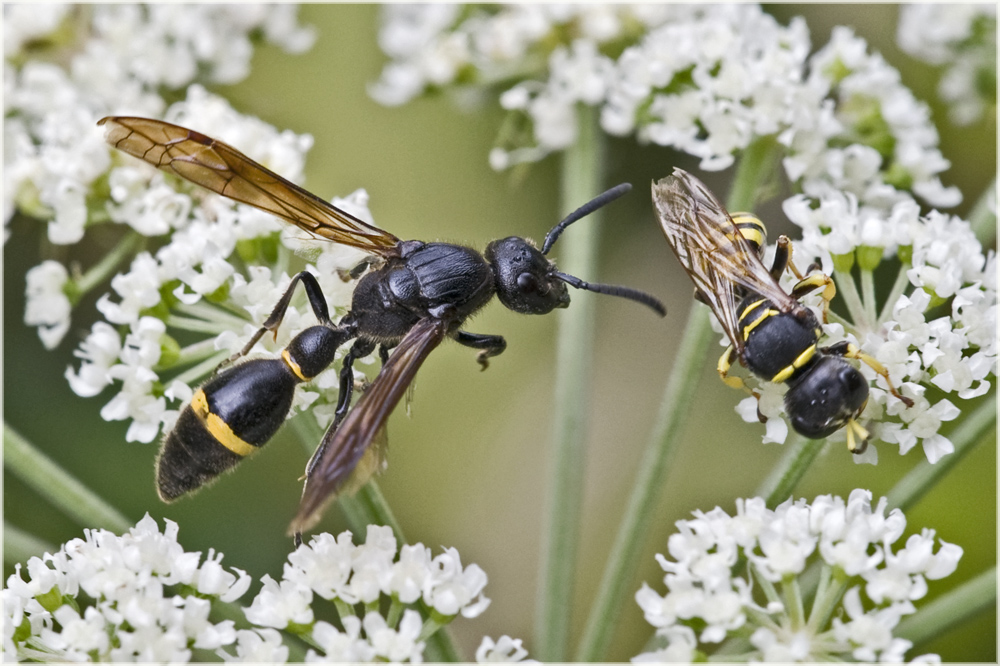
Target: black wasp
770 331
413 295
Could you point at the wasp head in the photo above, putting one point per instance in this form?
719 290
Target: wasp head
826 397
525 280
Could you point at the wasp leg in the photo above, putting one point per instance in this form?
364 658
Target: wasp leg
805 285
491 345
359 349
857 437
725 363
848 350
316 300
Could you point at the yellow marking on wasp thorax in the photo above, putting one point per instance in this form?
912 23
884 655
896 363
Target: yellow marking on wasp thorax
218 428
800 361
750 308
293 366
757 321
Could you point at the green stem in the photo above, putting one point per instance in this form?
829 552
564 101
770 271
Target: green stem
754 168
100 271
849 291
196 325
20 546
977 427
950 610
196 372
221 317
196 352
656 459
369 507
902 282
983 218
868 295
581 180
44 476
779 484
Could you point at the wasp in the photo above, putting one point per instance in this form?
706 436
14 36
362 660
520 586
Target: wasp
409 297
770 331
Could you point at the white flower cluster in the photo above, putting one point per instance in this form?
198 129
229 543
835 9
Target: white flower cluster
703 79
191 283
963 39
335 569
66 67
141 597
707 600
109 598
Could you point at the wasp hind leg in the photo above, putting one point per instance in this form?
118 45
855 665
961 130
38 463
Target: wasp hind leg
848 350
724 365
316 300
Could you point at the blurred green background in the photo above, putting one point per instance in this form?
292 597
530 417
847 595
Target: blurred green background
469 468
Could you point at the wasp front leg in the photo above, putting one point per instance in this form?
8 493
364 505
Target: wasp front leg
805 285
491 345
848 350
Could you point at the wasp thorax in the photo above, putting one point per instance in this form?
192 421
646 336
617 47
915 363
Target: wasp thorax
826 397
525 279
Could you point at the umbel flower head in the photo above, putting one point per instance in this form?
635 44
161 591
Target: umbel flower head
857 148
741 577
142 597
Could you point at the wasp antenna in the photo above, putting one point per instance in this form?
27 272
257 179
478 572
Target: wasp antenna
615 290
586 209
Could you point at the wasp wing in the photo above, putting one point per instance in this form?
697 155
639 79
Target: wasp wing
722 264
221 168
346 446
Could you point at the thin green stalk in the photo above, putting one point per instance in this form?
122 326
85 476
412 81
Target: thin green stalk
100 271
196 372
581 180
950 610
977 426
656 460
868 294
213 314
197 351
195 325
65 492
902 282
754 168
20 546
983 218
369 507
779 484
849 291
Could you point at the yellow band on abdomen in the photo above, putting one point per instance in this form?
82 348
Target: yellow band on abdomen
218 428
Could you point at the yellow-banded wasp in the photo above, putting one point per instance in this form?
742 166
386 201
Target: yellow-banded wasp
411 296
770 332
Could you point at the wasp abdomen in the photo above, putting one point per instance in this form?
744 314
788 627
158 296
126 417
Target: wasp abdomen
229 418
